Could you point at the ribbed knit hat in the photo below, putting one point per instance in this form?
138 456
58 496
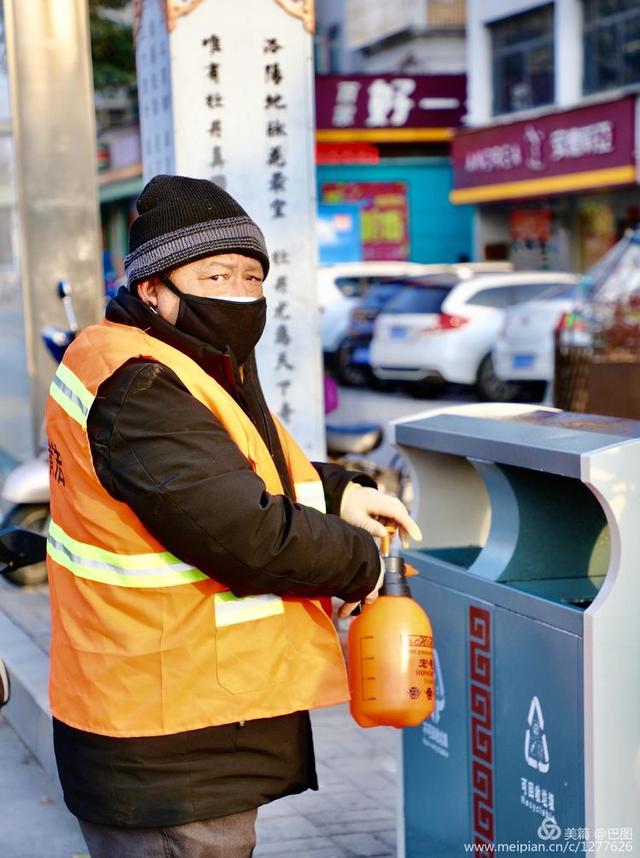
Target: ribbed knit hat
183 219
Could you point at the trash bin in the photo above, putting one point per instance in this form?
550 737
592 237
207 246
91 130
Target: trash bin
530 573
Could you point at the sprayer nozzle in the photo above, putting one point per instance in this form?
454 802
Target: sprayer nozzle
385 542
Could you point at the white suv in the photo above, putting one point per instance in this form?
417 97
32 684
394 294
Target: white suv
445 327
342 286
525 347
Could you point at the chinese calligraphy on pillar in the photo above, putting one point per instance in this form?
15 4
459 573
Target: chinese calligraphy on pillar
215 103
241 114
276 139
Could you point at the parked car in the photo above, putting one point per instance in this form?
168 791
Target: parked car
340 287
445 327
525 348
351 334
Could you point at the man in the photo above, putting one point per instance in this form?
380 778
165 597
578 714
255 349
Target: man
189 550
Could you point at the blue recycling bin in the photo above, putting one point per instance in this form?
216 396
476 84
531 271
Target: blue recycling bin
530 573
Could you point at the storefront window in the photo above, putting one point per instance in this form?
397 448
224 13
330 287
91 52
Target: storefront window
523 61
611 44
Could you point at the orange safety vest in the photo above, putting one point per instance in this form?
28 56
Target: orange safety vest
142 643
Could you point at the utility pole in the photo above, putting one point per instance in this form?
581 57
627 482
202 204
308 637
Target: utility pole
56 188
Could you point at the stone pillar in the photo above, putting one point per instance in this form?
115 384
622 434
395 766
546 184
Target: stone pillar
226 93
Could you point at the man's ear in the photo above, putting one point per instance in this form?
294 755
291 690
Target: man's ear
147 291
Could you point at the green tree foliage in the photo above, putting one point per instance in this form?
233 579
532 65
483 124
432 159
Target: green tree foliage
111 45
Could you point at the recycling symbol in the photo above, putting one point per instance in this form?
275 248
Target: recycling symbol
549 829
536 751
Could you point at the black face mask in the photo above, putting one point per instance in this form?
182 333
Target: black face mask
221 322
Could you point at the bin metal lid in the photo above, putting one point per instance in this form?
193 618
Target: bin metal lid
528 437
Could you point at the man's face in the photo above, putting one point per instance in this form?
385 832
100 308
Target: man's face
226 275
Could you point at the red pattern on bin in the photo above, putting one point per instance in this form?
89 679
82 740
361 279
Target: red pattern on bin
481 715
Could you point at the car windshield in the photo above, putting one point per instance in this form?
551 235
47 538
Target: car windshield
558 292
424 296
378 295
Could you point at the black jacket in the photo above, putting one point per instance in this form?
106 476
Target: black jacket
158 449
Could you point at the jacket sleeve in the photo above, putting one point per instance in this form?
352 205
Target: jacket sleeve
335 479
159 450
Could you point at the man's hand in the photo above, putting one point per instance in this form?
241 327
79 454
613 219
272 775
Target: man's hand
362 506
359 506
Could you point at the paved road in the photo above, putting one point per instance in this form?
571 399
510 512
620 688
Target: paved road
34 823
352 815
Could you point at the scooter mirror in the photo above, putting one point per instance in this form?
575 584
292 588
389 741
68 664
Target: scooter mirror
20 547
64 289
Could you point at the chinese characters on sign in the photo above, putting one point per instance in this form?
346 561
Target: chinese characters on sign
241 114
536 798
597 140
390 101
215 103
276 138
564 143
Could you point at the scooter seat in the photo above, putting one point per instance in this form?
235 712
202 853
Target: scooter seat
358 438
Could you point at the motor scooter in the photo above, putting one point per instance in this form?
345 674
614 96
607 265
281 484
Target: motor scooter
25 494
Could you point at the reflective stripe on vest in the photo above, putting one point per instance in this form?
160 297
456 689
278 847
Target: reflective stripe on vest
231 609
311 493
71 394
121 570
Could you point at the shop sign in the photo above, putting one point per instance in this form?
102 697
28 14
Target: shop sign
589 147
366 105
530 225
347 153
383 213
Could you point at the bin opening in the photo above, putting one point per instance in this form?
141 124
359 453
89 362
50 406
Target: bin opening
547 536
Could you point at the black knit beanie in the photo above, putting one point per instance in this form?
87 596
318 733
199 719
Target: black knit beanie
183 219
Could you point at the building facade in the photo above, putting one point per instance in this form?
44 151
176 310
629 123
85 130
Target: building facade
390 91
549 155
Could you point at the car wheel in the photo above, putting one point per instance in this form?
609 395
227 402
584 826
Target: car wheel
348 373
31 516
490 388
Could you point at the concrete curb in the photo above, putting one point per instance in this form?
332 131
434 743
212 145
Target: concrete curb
28 710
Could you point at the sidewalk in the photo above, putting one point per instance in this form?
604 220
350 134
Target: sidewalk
353 814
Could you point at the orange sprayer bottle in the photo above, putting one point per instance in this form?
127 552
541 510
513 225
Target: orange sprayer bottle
390 655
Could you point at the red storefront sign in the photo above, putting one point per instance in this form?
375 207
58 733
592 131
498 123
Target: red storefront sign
590 147
384 215
347 153
378 107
